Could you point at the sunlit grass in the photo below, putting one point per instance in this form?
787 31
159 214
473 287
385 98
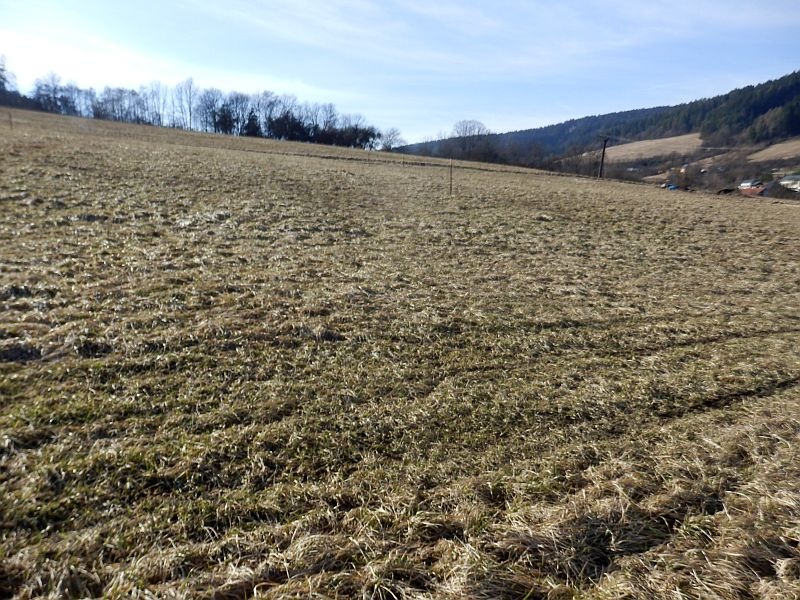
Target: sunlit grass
238 368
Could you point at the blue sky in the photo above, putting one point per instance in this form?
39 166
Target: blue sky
418 65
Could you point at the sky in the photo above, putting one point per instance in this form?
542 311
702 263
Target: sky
417 65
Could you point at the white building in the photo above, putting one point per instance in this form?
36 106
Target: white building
749 184
792 182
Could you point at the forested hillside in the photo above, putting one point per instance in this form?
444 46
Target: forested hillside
767 112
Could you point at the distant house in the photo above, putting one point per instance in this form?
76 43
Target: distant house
751 187
792 182
775 190
750 184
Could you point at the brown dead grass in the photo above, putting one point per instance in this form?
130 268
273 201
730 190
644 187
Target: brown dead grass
681 144
788 150
238 368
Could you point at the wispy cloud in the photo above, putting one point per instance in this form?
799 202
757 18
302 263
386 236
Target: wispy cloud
332 25
95 62
444 39
461 17
98 62
415 61
674 17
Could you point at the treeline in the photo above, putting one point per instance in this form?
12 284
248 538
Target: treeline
471 140
765 112
768 112
187 106
550 147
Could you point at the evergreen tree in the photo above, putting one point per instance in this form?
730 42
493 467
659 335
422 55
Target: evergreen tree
252 128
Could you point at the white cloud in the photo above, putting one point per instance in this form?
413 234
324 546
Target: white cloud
676 16
511 63
454 16
414 39
91 61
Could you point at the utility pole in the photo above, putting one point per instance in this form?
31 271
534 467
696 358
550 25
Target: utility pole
602 158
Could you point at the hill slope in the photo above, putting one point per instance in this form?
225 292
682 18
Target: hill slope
763 113
788 150
238 368
681 145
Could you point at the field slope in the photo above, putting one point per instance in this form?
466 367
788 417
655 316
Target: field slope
235 368
682 145
788 150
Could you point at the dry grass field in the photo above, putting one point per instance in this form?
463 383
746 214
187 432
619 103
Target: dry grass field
237 368
682 144
787 150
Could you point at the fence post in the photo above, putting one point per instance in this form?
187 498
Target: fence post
451 175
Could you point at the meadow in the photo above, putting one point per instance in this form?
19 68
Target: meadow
239 368
788 150
681 145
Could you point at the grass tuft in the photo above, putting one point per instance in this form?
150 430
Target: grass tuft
238 368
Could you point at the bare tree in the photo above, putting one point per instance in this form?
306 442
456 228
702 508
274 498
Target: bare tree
187 106
329 121
190 96
311 115
391 139
85 101
46 92
207 106
120 104
329 116
469 128
286 104
351 120
264 104
468 140
184 96
354 132
239 106
148 109
70 99
156 100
